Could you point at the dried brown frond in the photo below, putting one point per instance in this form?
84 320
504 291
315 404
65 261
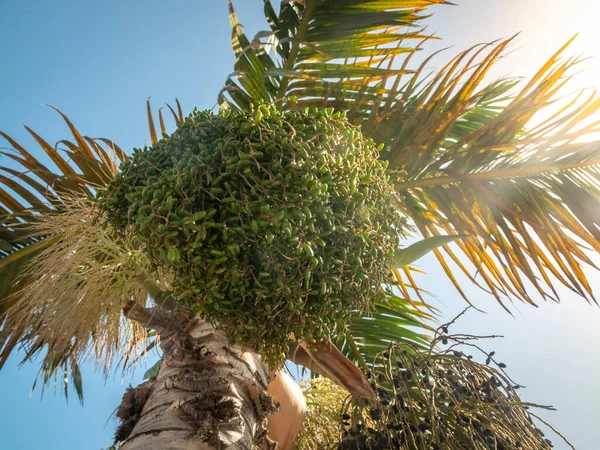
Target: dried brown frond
130 410
72 303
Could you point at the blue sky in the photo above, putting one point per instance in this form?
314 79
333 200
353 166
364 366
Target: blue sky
99 62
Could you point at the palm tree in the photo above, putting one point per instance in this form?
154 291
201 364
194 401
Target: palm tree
463 161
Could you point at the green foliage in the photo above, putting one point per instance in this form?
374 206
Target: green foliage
272 222
465 157
392 320
405 256
152 372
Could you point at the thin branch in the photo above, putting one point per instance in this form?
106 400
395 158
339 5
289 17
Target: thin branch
150 318
552 428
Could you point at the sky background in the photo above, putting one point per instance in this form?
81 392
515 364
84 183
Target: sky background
99 62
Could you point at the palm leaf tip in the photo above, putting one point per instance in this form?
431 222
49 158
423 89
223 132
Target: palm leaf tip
405 256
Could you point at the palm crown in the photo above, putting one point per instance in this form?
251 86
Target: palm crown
462 157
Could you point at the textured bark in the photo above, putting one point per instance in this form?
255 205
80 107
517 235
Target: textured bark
208 394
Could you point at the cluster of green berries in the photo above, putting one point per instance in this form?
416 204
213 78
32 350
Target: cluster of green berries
270 222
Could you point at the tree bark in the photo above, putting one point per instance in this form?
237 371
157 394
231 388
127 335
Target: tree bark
209 394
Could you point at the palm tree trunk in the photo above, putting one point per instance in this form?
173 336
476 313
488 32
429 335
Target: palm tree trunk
208 394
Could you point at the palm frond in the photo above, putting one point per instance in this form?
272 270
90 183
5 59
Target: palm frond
71 305
33 189
39 189
393 320
325 52
64 277
466 163
45 229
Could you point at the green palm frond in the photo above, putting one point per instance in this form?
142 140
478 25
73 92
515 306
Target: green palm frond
393 320
326 52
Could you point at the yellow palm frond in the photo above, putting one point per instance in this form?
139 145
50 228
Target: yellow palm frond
466 163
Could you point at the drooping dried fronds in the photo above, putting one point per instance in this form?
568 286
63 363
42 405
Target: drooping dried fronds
29 186
75 290
130 409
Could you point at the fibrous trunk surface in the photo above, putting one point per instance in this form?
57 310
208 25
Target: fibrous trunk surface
208 394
